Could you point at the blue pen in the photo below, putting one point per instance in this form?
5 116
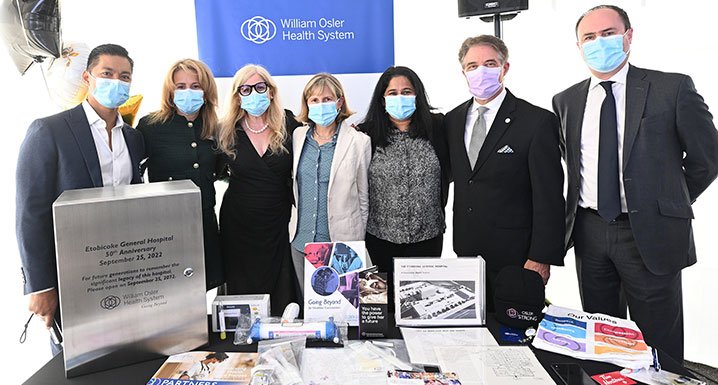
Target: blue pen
656 364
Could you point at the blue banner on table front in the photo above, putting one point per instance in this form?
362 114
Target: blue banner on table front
296 37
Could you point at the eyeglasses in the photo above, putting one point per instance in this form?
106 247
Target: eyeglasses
246 89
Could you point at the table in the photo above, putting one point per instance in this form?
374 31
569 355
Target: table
53 373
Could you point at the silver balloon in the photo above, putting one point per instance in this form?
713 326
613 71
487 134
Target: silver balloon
30 30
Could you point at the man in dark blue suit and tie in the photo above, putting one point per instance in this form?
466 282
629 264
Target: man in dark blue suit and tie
86 146
640 147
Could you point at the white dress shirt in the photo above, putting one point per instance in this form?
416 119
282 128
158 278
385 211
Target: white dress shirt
588 197
490 114
115 163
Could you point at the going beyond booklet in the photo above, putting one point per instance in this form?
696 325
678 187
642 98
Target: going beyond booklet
331 280
194 368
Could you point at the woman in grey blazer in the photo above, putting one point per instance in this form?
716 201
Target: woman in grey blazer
331 162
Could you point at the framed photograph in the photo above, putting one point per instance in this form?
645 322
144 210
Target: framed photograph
439 292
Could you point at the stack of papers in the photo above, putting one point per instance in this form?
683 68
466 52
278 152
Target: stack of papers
597 337
421 342
493 365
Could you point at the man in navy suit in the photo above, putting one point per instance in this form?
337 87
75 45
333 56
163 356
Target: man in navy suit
86 146
506 167
640 147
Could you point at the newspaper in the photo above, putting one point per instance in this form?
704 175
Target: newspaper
205 367
493 365
597 337
421 342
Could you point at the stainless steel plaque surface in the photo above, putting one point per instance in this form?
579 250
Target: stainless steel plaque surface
130 263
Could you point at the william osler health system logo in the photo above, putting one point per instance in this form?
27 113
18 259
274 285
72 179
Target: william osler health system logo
259 29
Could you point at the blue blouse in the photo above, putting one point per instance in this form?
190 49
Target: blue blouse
313 170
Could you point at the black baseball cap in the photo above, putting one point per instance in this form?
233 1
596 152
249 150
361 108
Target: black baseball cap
519 297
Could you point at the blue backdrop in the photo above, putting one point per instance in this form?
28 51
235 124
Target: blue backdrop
296 37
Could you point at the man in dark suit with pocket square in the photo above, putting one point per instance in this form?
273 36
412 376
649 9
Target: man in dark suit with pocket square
640 147
83 147
506 168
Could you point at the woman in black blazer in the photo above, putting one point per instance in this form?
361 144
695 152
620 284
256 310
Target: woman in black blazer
179 145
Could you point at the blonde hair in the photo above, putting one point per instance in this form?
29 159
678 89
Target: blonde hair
317 84
275 117
208 112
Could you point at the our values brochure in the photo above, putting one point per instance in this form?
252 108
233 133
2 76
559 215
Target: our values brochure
206 367
331 280
589 336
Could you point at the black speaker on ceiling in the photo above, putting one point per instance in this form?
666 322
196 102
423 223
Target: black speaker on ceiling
490 7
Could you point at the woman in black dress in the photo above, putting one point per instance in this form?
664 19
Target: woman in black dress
255 140
179 145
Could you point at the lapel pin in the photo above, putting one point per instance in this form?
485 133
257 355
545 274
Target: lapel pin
508 120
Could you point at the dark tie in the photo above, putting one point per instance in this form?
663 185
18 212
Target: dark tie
609 195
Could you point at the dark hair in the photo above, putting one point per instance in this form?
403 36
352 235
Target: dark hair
619 10
376 124
107 49
488 40
220 356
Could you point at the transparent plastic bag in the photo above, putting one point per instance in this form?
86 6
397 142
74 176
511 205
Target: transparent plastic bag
278 362
241 333
291 347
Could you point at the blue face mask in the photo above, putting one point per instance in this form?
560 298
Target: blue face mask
400 107
604 54
189 101
323 114
111 93
255 103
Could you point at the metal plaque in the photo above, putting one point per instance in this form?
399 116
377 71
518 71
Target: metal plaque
130 262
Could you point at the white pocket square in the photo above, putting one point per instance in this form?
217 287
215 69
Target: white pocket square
506 149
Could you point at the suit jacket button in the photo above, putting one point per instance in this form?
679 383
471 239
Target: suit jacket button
196 165
194 145
470 209
170 178
471 181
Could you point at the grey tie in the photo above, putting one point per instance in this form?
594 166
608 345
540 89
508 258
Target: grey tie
478 135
